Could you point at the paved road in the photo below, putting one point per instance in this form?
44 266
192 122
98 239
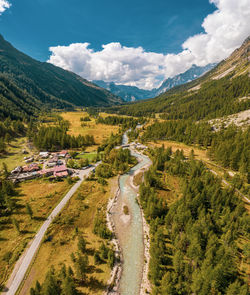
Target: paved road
19 271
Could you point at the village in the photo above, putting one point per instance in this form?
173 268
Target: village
52 165
45 164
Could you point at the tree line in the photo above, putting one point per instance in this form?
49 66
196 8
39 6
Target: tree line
194 241
215 98
126 122
55 137
229 146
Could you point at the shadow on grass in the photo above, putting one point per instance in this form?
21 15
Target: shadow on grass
3 239
27 232
94 284
39 218
90 251
9 226
93 269
6 155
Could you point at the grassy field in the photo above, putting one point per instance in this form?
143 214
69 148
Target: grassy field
14 156
90 156
79 213
172 191
137 179
200 154
99 131
42 197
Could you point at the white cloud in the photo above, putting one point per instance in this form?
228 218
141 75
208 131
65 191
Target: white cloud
224 31
4 4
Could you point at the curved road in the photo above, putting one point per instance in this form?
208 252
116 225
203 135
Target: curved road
22 265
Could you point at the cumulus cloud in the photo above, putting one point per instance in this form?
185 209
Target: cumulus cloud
4 4
224 30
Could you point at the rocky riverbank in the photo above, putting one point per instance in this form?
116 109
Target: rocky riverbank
115 215
115 276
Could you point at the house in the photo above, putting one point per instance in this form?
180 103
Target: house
17 170
30 168
63 154
31 159
46 172
61 171
44 155
24 176
52 162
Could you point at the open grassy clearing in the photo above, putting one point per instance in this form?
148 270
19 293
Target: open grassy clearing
137 179
79 213
99 131
90 156
200 154
42 197
172 192
14 156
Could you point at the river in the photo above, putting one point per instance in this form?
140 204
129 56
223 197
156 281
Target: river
129 230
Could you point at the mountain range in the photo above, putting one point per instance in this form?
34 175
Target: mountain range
27 85
222 91
132 93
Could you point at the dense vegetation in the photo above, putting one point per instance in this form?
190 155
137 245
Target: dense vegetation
10 129
110 143
114 162
195 241
126 122
215 98
7 196
54 138
229 147
27 86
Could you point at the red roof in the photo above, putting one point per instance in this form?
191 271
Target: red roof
45 171
30 168
64 152
60 168
61 174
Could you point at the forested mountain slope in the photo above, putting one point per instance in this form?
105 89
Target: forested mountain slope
25 79
219 92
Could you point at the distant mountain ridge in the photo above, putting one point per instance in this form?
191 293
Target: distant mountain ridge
132 93
222 91
191 74
24 78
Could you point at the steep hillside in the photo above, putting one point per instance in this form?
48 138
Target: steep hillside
222 91
47 83
132 93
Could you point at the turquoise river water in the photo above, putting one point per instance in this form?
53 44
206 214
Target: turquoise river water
129 230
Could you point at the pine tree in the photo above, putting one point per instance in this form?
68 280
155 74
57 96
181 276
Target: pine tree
81 266
29 210
81 244
16 224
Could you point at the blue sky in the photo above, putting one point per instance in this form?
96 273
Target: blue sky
132 42
156 25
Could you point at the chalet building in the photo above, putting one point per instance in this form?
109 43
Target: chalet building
44 155
61 171
17 170
63 154
29 160
30 168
